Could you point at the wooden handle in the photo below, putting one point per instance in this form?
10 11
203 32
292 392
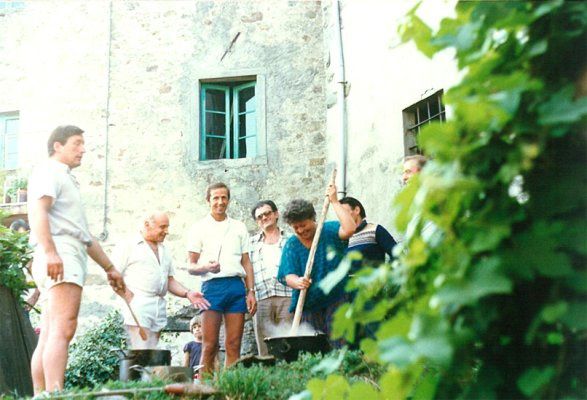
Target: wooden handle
142 332
310 263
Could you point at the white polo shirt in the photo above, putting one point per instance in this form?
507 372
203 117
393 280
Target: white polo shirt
66 215
142 272
223 241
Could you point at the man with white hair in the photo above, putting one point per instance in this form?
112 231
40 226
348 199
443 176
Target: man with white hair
147 268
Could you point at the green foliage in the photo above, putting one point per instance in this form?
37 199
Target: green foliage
286 379
492 273
91 361
15 253
15 185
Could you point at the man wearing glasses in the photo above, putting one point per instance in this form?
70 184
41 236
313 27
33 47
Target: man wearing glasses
273 297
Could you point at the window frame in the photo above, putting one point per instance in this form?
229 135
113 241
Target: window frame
4 156
194 141
413 122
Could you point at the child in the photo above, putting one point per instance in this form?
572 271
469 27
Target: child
193 350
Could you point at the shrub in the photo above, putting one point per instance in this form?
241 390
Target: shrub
91 361
285 379
15 253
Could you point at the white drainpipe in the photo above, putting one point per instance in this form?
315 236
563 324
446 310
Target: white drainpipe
341 101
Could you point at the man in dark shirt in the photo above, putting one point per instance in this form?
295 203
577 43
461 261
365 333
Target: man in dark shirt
372 240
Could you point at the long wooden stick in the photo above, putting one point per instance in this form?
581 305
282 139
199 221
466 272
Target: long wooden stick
310 263
142 332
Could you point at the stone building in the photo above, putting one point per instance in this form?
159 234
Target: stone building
174 95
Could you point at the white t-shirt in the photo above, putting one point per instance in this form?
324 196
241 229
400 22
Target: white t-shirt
66 215
223 241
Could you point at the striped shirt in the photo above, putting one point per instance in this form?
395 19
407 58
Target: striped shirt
266 283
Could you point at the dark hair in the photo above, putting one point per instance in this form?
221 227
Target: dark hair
217 185
18 224
61 134
420 159
262 203
299 210
351 201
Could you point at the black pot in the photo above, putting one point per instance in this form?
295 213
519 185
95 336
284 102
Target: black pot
143 358
288 347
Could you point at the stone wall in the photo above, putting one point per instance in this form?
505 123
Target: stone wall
128 74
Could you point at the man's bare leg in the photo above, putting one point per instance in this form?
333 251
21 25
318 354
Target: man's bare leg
136 342
37 372
234 324
210 330
62 309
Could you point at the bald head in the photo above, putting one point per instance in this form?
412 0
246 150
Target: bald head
155 227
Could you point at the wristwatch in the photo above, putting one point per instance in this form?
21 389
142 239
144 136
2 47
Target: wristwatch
251 290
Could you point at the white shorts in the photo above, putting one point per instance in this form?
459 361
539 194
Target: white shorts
74 255
150 311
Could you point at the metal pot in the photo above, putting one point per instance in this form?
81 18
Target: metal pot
288 347
143 358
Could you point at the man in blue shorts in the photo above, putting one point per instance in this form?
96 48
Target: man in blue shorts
218 251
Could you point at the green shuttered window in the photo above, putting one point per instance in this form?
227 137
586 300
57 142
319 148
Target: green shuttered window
228 120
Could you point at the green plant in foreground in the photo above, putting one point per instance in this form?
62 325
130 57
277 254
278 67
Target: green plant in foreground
91 359
15 253
492 297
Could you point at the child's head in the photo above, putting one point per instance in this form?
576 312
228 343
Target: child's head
196 327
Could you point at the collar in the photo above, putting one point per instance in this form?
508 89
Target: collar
260 235
140 239
211 218
361 226
59 165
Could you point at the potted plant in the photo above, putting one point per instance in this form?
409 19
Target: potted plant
18 190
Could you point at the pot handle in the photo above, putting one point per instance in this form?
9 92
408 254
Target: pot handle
140 368
285 346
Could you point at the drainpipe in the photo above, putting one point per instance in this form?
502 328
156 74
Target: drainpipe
341 101
104 235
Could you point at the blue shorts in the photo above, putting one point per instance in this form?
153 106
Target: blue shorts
226 295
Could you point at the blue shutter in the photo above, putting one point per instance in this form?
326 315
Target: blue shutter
245 120
11 143
214 122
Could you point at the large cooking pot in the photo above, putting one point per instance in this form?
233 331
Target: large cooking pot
288 347
143 358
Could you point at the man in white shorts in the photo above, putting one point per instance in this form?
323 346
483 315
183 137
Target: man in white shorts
59 233
147 268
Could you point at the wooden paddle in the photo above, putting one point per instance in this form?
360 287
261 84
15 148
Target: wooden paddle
142 331
310 263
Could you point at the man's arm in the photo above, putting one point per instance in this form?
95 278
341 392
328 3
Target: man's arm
40 226
347 224
115 279
186 358
385 240
180 290
196 269
250 283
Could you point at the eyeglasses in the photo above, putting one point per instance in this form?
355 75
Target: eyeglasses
265 214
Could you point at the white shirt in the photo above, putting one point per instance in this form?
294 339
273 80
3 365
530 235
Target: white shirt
66 215
223 241
142 272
